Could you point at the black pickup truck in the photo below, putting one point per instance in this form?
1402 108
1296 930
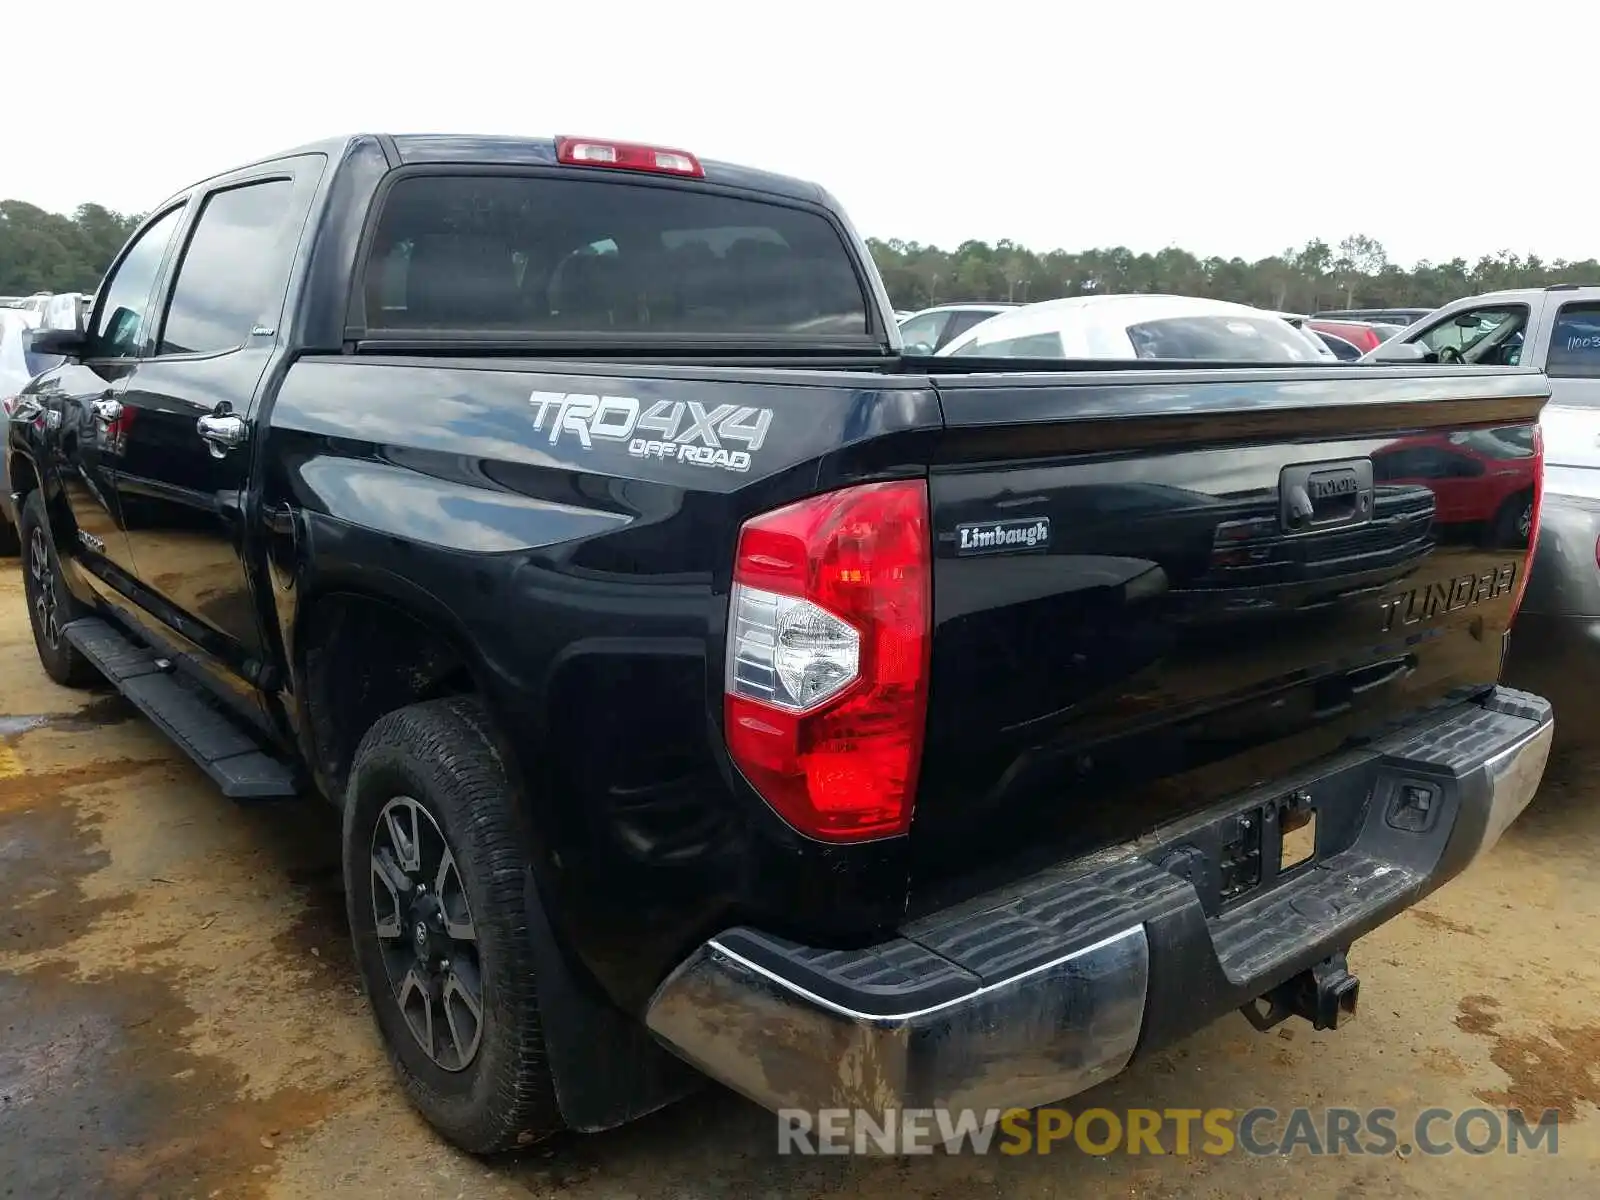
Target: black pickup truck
707 684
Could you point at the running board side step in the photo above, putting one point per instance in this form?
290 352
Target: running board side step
231 757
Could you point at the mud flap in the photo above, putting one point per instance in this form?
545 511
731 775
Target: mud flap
606 1067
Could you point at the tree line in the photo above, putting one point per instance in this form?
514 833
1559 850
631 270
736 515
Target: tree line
1355 274
53 252
48 252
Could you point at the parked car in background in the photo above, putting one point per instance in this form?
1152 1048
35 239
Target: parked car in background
65 309
1136 325
1342 350
36 303
932 329
1390 316
1556 643
18 365
1363 335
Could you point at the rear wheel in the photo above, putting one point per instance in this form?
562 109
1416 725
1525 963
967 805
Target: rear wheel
435 879
1513 523
51 606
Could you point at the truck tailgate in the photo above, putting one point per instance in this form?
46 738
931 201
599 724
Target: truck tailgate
1152 590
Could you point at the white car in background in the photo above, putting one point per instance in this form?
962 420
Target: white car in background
18 364
931 329
66 310
1137 326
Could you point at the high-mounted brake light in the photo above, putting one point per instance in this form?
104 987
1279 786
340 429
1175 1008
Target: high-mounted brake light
626 156
1533 520
829 630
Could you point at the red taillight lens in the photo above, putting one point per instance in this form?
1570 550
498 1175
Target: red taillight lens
626 156
1533 519
829 628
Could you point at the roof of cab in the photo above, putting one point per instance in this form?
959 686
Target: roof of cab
499 150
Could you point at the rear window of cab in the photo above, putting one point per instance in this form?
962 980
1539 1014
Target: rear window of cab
546 256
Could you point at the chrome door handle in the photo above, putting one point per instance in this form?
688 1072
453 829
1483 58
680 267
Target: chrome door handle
221 433
106 410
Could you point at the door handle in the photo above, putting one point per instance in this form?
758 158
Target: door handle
106 410
221 432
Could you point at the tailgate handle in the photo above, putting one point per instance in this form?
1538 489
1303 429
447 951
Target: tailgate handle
1367 678
1363 680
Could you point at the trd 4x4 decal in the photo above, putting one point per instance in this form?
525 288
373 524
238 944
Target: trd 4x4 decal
676 430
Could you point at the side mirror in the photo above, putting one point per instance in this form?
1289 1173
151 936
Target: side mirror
1400 353
68 343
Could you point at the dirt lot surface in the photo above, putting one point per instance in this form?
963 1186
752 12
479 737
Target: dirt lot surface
179 1016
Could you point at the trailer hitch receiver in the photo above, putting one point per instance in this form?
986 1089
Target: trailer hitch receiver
1324 994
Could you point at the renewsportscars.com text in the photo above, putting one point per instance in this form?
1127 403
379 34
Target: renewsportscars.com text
1181 1131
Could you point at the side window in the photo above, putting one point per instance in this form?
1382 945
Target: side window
1033 345
120 324
1575 342
1490 336
235 265
921 334
958 324
1423 462
1342 350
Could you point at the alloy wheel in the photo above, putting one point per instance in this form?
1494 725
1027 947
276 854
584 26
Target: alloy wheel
41 567
426 933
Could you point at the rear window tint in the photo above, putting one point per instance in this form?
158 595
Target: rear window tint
547 256
1221 338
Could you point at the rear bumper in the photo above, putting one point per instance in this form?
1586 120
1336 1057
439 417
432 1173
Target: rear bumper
1056 983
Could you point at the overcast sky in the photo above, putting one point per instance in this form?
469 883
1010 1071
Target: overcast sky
1224 128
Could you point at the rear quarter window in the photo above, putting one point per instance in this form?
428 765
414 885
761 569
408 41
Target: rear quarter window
542 255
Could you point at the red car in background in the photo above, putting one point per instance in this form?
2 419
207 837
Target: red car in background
1481 479
1363 335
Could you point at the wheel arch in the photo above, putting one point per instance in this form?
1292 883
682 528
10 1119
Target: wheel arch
350 637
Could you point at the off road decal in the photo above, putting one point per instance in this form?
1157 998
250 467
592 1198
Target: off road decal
724 437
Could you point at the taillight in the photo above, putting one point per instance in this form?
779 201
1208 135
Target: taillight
626 156
1533 519
829 629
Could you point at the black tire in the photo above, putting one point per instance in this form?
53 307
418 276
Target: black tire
440 757
10 541
1511 525
51 605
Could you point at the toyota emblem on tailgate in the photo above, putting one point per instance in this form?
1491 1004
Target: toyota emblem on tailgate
1318 496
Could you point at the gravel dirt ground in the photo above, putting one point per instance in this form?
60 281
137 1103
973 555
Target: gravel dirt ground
179 1016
